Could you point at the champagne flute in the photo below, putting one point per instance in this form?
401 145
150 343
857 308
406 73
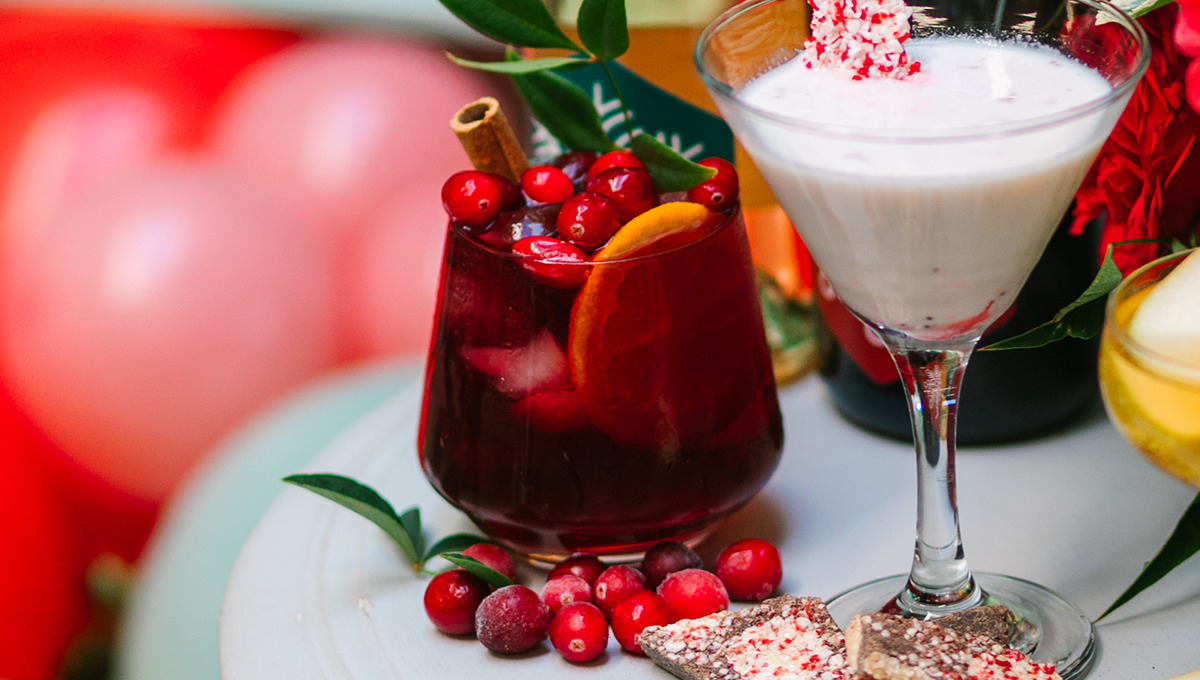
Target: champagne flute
927 220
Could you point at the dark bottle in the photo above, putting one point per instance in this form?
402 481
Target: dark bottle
1007 396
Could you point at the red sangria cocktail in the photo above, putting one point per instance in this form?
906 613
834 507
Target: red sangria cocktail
598 379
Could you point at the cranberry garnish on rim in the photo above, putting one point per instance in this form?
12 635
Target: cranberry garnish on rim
621 158
472 198
632 189
556 263
510 227
576 164
719 192
546 184
588 220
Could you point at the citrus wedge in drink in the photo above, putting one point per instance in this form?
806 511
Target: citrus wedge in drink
664 350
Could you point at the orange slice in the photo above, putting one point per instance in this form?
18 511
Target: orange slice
669 349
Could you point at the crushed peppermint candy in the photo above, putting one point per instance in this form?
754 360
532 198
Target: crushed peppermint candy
861 38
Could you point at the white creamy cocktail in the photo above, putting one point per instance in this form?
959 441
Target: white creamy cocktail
917 234
925 166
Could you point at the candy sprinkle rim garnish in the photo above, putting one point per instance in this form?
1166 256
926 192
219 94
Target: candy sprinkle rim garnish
860 38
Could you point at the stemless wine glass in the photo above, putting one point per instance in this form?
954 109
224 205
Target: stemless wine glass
926 229
600 406
1153 399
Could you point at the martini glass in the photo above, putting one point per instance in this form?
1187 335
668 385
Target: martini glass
927 229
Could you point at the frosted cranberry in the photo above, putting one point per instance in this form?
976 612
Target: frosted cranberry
584 565
693 593
719 192
579 632
636 612
621 158
751 569
576 164
495 557
666 558
510 227
615 583
512 619
565 589
555 263
451 599
471 198
588 220
546 184
632 189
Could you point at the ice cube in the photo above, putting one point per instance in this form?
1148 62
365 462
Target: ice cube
552 411
1168 321
523 370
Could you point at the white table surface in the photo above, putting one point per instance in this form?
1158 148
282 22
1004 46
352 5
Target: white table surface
319 592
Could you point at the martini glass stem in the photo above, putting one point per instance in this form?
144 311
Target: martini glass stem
940 580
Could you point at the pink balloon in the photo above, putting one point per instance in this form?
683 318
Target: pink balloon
157 311
91 135
393 278
341 124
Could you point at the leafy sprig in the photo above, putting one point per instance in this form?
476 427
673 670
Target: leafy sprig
564 108
404 528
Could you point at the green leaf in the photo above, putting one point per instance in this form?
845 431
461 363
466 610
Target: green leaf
1144 8
524 23
671 172
564 108
362 499
494 578
1082 319
1181 545
603 29
522 66
453 543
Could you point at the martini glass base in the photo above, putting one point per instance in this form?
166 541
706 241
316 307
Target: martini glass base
1049 629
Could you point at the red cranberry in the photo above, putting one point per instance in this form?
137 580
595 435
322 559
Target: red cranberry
614 584
576 164
546 184
588 220
693 593
511 227
636 612
719 192
584 565
471 198
632 189
666 558
621 158
451 599
495 557
511 620
556 263
579 632
511 197
565 589
751 569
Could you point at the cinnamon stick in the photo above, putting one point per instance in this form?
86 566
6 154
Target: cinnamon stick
489 140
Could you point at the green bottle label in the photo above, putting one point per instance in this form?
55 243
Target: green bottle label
690 130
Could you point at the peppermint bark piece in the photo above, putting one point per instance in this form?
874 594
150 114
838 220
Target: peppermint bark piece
784 637
890 647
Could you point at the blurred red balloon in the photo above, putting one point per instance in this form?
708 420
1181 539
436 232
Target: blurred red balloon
44 603
91 134
343 124
155 312
183 62
393 284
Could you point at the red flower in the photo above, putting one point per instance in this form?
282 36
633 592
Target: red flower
1147 176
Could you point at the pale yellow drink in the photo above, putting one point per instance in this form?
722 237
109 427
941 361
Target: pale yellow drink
1152 396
